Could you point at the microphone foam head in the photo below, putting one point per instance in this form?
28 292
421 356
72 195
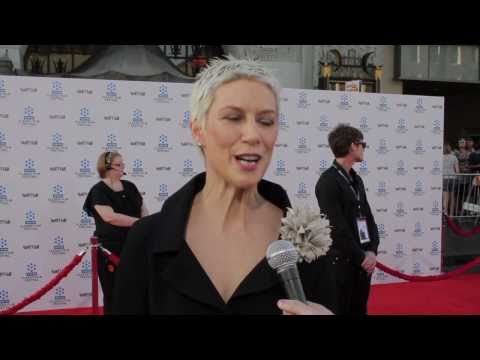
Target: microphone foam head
281 253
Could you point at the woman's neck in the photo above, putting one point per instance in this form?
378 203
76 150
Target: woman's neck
229 206
113 183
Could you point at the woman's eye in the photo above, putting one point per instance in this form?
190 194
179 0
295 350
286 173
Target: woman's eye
267 121
232 117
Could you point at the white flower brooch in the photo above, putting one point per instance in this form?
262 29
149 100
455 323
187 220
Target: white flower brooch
308 230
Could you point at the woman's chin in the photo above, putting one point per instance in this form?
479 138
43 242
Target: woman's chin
246 180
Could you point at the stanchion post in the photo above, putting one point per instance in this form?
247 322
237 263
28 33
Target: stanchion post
94 242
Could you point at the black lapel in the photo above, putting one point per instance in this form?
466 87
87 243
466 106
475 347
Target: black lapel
184 272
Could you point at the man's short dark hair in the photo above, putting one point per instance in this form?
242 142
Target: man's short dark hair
341 138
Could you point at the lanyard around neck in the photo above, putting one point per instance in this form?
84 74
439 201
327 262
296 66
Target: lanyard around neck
357 194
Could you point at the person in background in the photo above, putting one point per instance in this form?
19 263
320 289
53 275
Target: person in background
450 169
116 205
462 155
341 196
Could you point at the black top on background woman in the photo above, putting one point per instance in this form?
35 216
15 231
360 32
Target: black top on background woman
115 205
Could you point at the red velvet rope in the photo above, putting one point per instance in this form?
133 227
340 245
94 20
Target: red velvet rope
37 295
114 259
443 276
459 231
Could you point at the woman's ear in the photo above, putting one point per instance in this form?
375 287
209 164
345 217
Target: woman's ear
197 132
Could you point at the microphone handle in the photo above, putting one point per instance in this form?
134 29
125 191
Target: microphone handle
293 284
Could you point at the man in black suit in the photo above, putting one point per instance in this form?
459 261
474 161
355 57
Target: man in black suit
341 196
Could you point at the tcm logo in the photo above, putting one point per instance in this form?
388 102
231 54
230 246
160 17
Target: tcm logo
85 91
401 127
137 168
58 195
86 222
31 273
29 170
399 251
4 199
419 148
381 189
345 102
382 148
436 129
419 188
364 124
137 93
435 248
57 144
162 193
3 142
138 143
417 269
400 210
302 191
363 168
85 170
282 122
281 168
436 169
302 102
59 297
401 171
112 117
85 271
302 147
3 90
112 144
436 210
382 234
163 145
323 167
57 92
111 93
30 222
58 247
85 118
162 96
418 230
29 117
185 122
419 108
4 250
383 104
137 119
188 170
4 298
163 118
323 125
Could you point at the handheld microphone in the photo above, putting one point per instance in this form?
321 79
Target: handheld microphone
124 173
282 257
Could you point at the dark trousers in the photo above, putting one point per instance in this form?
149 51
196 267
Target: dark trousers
106 276
107 281
353 288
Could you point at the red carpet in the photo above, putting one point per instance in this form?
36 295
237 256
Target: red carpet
457 296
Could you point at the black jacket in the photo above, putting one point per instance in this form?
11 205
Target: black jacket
159 274
337 200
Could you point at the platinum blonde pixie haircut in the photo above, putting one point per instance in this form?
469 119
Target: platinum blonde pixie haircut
219 72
